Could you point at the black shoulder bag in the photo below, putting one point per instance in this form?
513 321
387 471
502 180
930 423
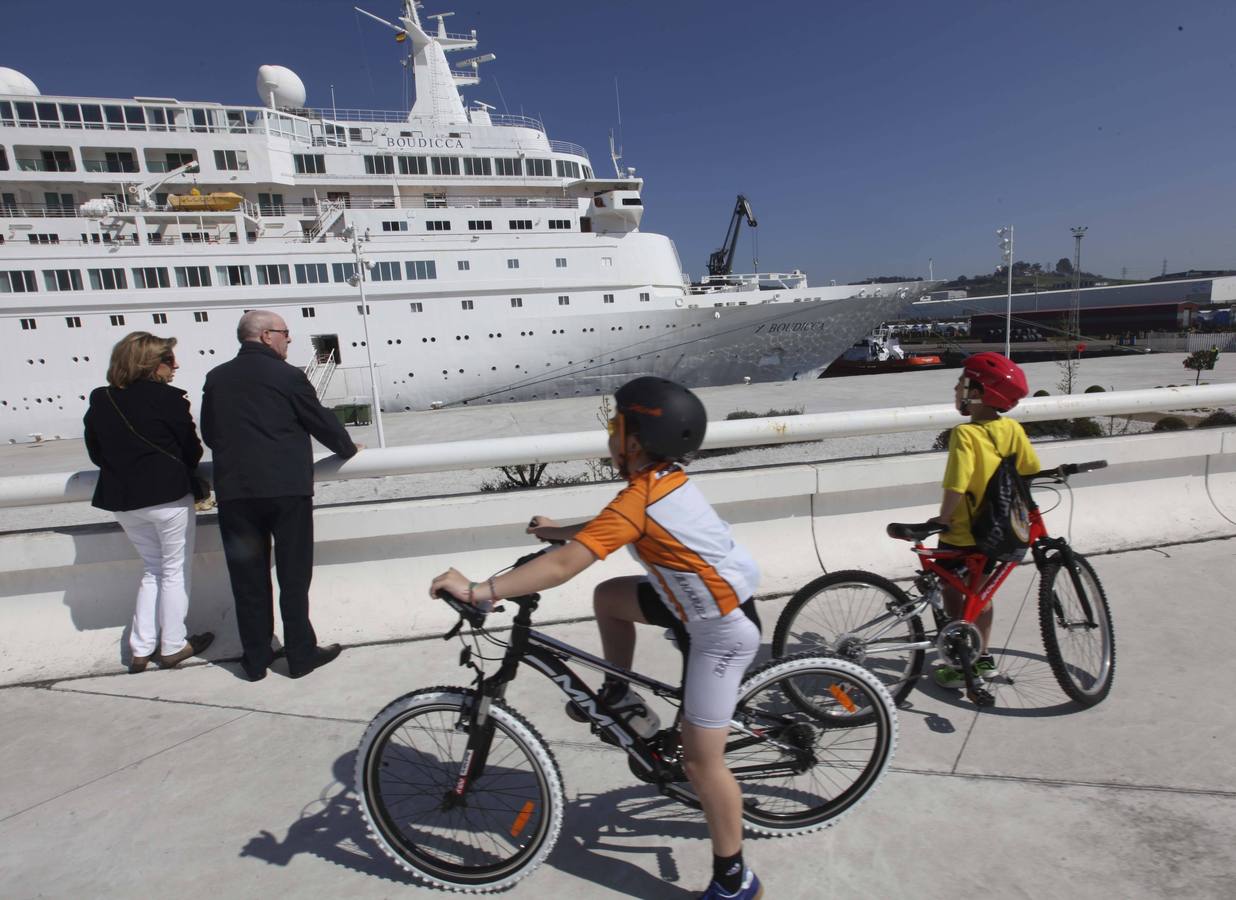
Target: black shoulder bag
1001 523
198 483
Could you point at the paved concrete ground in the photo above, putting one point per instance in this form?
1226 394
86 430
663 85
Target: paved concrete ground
194 783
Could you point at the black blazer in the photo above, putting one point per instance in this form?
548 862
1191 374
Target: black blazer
132 474
257 415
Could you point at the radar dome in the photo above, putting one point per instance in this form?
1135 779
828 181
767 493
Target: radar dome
14 82
283 83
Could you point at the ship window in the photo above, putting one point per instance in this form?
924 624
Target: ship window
117 320
62 279
478 165
560 262
521 224
560 224
421 269
632 201
539 167
273 273
385 271
607 298
464 265
17 282
135 115
159 318
400 225
4 160
564 300
566 168
438 225
6 112
435 201
73 321
512 264
48 116
607 262
193 276
508 166
311 273
417 307
29 324
445 165
413 165
92 115
379 164
308 312
233 275
644 297
480 225
310 163
270 204
201 316
231 160
151 277
517 302
59 161
43 238
465 304
107 279
343 271
365 311
156 116
115 118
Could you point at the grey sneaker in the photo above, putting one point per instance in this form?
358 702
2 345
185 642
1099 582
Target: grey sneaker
630 707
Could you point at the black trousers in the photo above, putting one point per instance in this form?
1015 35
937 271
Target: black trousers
247 528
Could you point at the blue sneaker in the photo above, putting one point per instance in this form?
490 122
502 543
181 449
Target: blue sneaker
751 889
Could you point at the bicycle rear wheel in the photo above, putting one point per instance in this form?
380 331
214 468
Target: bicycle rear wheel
1077 631
855 616
504 825
800 765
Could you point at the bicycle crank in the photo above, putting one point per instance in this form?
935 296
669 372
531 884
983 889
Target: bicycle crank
953 637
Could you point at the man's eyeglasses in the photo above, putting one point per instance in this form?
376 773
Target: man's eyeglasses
282 331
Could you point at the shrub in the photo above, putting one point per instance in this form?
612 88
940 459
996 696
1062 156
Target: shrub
1171 423
941 441
1085 428
741 414
1220 418
1095 389
1042 393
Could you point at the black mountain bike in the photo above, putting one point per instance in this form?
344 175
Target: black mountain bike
868 619
460 789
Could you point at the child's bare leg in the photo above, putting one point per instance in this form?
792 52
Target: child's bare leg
718 791
955 607
616 603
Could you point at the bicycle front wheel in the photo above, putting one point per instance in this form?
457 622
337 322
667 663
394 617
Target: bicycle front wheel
858 617
801 765
1077 630
498 831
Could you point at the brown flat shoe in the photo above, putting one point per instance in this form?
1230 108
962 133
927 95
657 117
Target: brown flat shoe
139 663
195 645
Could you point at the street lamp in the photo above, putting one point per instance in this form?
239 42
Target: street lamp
357 279
1006 249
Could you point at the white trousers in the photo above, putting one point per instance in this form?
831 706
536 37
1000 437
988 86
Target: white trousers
163 536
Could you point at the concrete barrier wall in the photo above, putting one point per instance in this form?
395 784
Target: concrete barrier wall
66 595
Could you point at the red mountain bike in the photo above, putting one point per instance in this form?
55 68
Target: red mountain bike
864 618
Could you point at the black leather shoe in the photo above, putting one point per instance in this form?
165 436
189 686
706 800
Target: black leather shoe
321 656
195 645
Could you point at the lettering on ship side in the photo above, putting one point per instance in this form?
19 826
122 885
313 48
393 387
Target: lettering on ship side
437 143
783 327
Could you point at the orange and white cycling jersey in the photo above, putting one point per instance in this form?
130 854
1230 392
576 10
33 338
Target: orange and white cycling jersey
691 559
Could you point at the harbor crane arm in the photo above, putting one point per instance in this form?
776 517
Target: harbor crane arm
721 262
143 192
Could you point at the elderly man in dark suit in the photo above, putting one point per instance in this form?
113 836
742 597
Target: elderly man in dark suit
258 414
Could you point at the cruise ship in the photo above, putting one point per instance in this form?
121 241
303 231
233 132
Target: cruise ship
495 263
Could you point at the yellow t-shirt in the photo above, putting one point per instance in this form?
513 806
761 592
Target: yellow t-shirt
974 452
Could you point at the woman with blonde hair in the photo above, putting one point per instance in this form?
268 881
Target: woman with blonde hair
140 434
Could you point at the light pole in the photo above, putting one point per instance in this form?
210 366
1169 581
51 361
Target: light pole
1006 249
357 279
1075 324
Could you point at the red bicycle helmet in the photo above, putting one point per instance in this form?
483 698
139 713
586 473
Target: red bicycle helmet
1002 380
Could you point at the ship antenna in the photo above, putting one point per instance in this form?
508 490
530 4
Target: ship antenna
616 155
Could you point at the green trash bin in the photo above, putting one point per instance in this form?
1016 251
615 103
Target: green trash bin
362 414
343 414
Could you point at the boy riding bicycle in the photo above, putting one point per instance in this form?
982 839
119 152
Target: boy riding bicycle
699 583
990 384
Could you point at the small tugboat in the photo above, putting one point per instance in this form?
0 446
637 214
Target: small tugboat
880 351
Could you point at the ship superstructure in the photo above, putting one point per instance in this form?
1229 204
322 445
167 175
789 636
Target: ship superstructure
498 265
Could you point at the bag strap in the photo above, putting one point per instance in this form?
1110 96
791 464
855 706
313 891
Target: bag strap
138 434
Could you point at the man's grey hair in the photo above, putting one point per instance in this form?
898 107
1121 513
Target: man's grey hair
254 322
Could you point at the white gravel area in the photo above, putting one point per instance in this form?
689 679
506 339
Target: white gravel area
582 413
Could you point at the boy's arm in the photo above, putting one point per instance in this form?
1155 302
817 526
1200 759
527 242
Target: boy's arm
948 506
552 569
546 529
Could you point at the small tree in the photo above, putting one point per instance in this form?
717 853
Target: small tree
1201 360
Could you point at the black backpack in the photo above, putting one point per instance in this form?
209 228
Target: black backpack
1001 523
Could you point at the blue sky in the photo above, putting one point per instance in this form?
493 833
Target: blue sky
868 136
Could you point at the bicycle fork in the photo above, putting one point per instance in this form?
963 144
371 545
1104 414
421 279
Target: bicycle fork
1057 548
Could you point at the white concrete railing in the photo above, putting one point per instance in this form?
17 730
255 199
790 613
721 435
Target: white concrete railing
35 490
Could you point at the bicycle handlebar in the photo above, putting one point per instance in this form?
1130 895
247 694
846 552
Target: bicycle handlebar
475 615
1064 470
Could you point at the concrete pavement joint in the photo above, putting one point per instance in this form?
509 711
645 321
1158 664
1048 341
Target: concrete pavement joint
1066 782
135 763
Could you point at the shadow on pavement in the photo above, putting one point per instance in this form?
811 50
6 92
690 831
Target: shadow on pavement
1025 688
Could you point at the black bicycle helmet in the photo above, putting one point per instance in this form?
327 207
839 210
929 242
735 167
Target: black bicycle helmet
669 420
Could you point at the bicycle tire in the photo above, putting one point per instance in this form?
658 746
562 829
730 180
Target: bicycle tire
1082 659
828 616
406 764
847 760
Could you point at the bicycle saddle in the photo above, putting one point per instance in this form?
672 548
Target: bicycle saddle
914 531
